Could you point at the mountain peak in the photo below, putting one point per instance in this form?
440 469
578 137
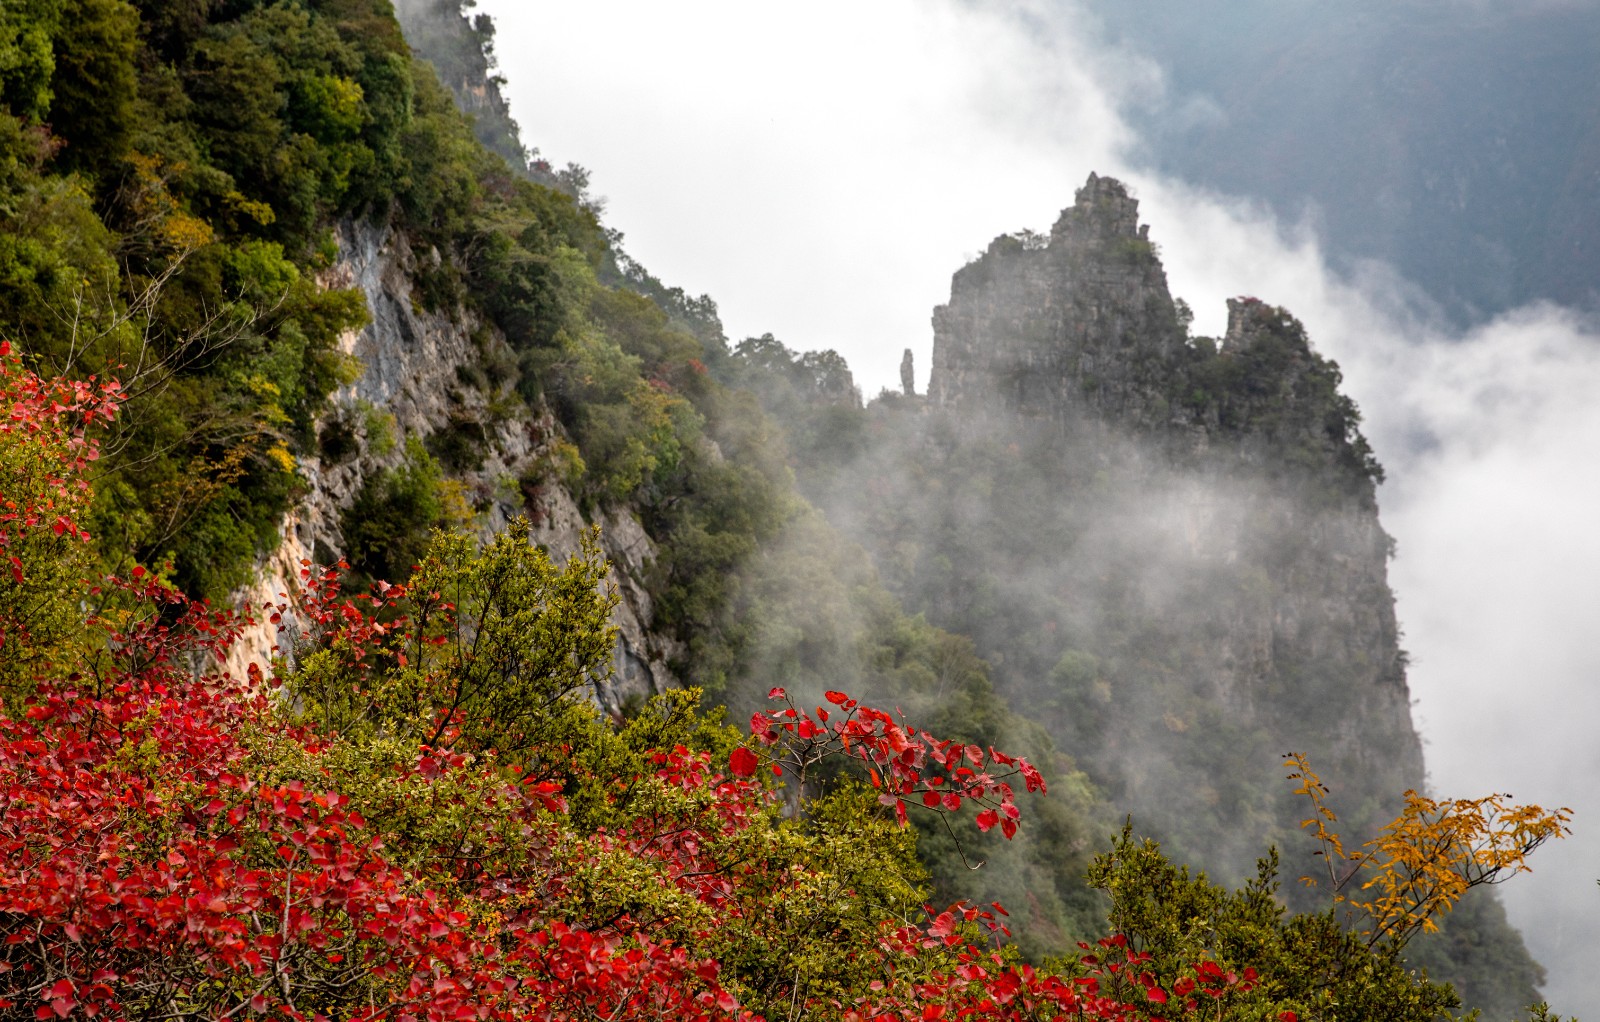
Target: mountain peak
1104 209
1045 329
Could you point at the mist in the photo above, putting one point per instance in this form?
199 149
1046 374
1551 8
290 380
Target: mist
822 169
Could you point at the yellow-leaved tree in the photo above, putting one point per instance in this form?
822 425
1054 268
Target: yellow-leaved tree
1420 864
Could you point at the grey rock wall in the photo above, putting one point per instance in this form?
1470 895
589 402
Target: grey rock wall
1169 545
1051 326
409 360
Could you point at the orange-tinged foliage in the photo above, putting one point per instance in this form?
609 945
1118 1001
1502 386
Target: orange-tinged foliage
1426 858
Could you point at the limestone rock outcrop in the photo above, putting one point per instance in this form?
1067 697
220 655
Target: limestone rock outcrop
1167 546
411 361
1049 325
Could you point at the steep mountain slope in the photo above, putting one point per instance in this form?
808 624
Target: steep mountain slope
1167 546
1230 512
343 323
1166 550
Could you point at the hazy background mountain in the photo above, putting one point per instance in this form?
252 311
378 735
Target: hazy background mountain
1457 141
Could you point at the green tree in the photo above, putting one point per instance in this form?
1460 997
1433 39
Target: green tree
499 650
1308 964
387 528
95 83
27 57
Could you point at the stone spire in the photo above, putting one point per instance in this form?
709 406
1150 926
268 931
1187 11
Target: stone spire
1085 321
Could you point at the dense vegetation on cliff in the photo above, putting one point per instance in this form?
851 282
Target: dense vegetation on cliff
173 174
181 189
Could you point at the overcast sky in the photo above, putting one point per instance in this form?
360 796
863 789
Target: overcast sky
821 169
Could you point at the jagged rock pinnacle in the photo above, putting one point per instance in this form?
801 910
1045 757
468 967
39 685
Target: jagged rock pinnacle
1046 329
1102 209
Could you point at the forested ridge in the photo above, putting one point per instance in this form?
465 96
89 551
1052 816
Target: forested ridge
429 799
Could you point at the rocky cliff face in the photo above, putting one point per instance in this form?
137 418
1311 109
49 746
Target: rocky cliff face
1047 326
1081 326
414 383
1167 546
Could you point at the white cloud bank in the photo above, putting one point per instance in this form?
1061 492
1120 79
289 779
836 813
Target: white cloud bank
822 168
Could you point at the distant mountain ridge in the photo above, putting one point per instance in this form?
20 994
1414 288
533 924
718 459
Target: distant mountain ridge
1457 142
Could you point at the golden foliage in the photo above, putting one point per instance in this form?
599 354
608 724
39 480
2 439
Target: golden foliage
161 216
1421 864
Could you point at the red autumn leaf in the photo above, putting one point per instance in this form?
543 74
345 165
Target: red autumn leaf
743 762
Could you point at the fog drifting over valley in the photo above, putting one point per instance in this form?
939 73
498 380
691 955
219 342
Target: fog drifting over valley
822 169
